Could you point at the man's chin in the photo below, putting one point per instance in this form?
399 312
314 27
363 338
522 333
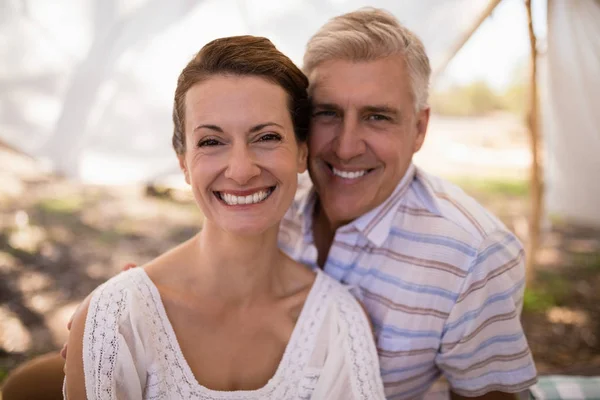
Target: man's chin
340 216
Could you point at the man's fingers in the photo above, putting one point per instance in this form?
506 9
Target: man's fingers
71 321
63 352
129 266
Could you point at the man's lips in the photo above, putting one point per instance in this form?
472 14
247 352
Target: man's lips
349 173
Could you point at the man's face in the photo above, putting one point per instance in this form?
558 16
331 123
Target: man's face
364 133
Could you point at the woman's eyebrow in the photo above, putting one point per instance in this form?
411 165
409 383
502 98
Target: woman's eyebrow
259 127
209 126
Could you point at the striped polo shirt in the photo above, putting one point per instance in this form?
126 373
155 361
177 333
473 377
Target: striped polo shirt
442 280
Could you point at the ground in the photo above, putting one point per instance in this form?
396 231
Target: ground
60 239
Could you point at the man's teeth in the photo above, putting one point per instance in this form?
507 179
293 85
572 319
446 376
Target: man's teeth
349 175
254 198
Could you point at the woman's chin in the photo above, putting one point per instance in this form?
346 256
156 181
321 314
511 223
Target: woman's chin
240 227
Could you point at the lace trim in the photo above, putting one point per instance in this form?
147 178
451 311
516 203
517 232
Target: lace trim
169 372
100 349
366 382
283 385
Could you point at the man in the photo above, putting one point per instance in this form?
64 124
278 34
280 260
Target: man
441 278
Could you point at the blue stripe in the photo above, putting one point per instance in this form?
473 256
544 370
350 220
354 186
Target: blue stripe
435 239
417 389
487 343
385 372
392 330
471 315
522 373
411 287
485 254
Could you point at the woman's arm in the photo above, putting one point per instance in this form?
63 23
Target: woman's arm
75 377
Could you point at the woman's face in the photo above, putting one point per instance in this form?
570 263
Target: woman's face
242 159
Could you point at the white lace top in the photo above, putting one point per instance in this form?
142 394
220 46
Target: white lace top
130 350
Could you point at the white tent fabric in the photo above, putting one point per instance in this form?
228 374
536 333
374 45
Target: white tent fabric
571 107
88 84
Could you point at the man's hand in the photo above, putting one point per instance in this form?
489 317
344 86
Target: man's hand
63 351
487 396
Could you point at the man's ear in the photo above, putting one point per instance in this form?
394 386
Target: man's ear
422 123
302 157
184 168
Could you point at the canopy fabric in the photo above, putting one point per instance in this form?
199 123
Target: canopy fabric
571 107
88 84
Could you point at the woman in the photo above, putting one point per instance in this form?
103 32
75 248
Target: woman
227 315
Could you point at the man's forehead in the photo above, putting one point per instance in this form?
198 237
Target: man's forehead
359 83
356 97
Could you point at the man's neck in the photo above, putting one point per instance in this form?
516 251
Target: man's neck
323 234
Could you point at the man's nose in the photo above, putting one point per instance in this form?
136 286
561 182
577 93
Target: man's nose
349 141
242 166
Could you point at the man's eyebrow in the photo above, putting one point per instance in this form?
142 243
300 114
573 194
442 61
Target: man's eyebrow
326 106
259 127
209 126
381 109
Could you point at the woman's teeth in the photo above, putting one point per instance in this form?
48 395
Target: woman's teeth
253 198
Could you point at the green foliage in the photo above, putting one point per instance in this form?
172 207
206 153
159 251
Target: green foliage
478 98
538 300
590 262
550 290
474 99
3 375
61 205
493 186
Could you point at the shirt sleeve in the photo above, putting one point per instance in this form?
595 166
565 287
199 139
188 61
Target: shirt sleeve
112 350
350 368
483 347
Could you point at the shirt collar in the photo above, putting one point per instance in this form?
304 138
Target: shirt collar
375 225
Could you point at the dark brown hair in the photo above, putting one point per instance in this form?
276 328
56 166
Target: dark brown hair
243 55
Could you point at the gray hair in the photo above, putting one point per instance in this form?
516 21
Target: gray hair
369 34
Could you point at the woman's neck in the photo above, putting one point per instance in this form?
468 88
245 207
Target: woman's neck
239 269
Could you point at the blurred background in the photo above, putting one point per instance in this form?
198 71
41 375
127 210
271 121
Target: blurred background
89 182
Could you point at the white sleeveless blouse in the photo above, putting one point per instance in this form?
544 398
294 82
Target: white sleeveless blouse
130 350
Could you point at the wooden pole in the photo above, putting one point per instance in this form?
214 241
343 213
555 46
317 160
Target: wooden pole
536 169
459 45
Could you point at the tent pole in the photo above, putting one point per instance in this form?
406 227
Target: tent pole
535 215
465 38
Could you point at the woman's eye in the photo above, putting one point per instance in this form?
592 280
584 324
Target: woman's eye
208 143
270 137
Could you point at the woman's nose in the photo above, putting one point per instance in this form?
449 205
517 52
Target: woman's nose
242 166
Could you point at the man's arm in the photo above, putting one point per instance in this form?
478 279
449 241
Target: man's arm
484 353
75 377
487 396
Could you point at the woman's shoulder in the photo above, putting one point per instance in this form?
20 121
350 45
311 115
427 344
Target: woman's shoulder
126 298
123 288
339 293
344 307
348 328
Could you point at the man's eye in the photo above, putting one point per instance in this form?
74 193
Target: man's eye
270 137
377 117
208 143
324 113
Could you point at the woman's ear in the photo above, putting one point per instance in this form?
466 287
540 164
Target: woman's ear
184 168
302 157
